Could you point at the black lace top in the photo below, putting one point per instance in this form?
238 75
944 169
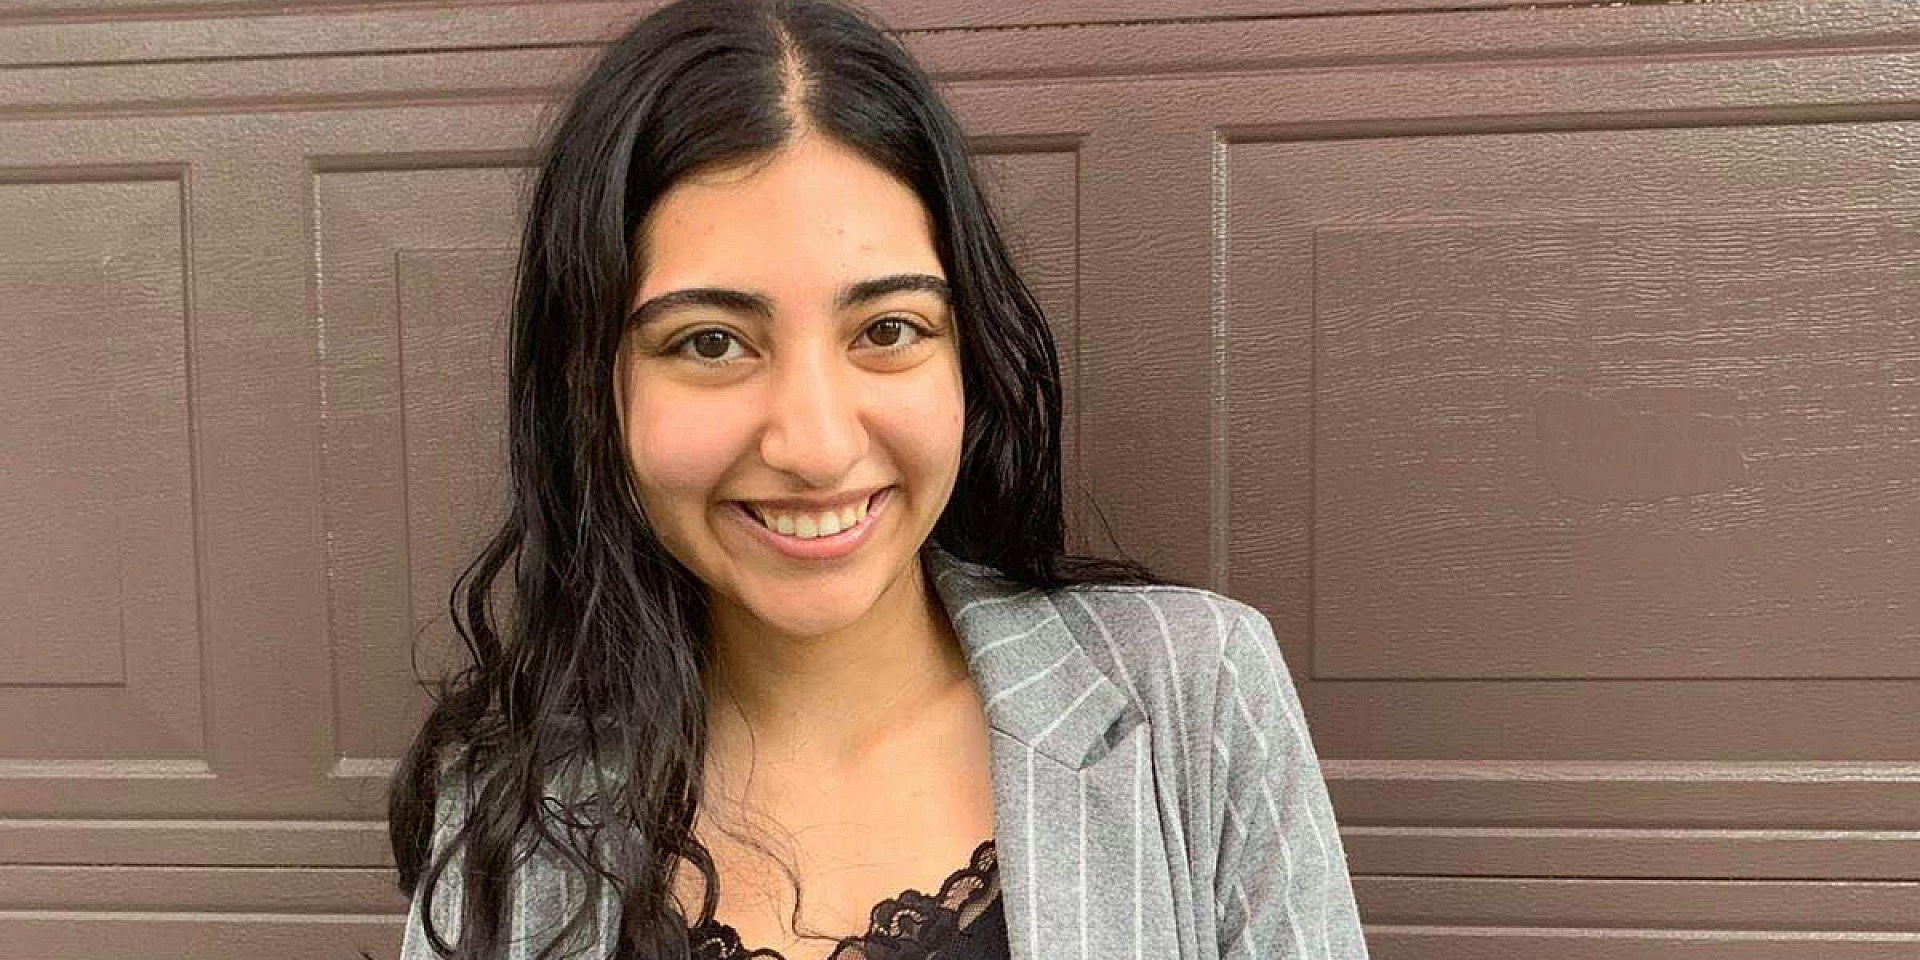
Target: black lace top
964 921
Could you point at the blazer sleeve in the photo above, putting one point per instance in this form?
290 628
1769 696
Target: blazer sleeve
1282 886
544 893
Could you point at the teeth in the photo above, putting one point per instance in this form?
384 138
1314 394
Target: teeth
807 526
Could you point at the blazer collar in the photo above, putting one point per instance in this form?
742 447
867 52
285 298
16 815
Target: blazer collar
1037 682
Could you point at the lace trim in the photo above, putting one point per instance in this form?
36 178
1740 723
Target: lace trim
912 921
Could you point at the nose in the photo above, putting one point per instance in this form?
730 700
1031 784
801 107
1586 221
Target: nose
814 430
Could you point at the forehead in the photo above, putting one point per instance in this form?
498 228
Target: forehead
801 223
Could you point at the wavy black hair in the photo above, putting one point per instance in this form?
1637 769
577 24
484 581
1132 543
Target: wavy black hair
602 654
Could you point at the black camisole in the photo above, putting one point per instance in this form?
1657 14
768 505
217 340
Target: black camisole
966 920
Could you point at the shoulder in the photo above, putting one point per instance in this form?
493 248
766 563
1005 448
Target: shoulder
1174 650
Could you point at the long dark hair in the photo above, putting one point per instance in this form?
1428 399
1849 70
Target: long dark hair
602 654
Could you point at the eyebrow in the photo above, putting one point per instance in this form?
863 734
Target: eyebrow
741 301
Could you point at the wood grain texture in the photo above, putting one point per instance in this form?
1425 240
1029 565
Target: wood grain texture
1645 905
1547 376
924 15
267 67
188 889
155 841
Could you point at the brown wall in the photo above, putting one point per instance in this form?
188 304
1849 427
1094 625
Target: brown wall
1548 373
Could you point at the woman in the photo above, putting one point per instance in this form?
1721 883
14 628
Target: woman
787 570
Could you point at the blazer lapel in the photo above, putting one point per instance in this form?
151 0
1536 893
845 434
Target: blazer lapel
1082 866
1039 686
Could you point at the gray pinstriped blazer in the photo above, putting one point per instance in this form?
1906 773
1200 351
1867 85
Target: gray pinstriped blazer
1156 791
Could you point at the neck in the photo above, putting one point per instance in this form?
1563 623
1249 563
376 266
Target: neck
828 701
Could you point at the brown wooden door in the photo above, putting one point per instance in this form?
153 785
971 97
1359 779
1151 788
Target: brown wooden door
1549 374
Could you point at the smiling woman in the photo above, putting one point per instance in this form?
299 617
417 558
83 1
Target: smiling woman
834 375
787 551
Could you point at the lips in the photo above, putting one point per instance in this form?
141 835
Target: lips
801 506
855 507
827 547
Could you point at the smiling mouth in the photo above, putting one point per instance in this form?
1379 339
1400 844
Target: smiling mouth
806 525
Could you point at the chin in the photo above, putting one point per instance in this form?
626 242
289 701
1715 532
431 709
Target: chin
802 612
802 604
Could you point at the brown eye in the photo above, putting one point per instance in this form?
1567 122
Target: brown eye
886 333
711 344
712 347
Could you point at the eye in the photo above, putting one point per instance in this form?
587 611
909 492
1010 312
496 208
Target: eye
716 347
710 346
887 333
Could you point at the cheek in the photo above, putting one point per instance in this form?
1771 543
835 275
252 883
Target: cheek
923 421
675 455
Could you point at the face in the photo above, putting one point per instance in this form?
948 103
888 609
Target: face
792 350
